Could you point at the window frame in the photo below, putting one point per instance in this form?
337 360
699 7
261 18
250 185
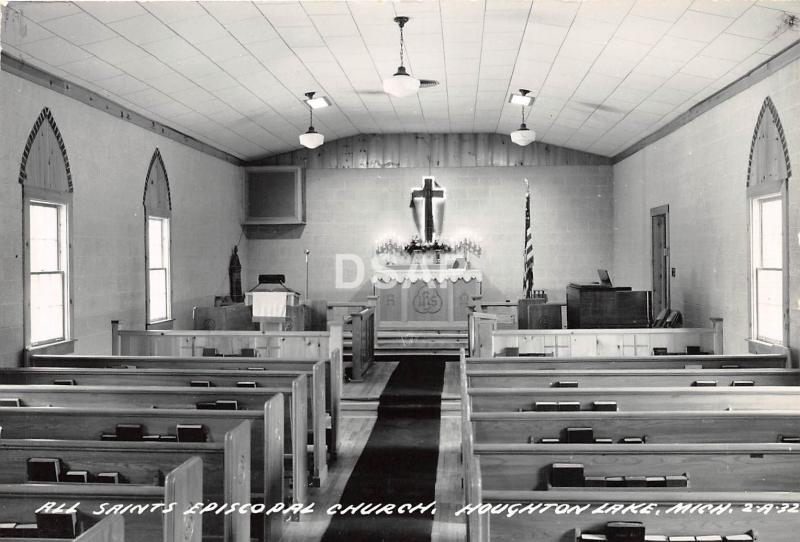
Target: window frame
757 194
166 247
63 201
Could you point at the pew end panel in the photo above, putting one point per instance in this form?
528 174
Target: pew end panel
184 486
480 328
237 479
273 466
299 436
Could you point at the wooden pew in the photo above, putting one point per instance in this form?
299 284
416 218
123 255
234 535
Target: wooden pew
87 424
184 377
332 377
746 361
602 378
505 461
327 345
567 343
190 343
657 427
708 467
648 399
226 467
183 486
551 525
359 333
252 399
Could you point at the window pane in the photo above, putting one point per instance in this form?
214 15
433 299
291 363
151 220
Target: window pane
769 306
155 250
771 233
44 238
47 307
158 294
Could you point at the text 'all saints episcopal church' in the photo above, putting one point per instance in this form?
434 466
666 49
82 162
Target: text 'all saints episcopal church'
399 271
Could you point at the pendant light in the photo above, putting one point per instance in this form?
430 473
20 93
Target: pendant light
401 84
311 139
523 136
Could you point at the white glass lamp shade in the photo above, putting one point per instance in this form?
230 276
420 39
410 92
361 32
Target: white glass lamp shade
523 136
311 139
401 84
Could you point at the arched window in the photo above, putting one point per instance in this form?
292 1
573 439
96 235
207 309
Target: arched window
157 213
46 208
767 181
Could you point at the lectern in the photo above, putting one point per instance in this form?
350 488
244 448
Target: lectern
275 306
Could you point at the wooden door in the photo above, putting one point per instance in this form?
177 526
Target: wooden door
659 217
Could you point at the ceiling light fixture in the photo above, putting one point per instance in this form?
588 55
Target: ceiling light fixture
317 103
521 99
312 139
523 136
401 84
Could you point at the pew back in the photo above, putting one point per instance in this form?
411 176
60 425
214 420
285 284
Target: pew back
708 467
655 427
631 399
602 378
748 361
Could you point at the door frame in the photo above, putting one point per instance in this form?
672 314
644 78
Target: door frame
657 211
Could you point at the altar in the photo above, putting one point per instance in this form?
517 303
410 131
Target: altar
425 294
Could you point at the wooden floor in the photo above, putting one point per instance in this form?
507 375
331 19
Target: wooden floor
374 381
356 427
370 390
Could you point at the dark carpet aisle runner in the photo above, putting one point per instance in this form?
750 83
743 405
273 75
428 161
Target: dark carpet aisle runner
398 464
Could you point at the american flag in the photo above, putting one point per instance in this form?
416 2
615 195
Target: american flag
527 282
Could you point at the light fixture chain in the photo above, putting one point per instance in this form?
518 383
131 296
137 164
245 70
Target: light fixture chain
402 44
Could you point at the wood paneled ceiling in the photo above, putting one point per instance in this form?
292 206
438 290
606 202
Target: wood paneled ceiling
605 72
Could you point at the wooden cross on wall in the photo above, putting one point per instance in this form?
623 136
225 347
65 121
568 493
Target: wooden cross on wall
428 193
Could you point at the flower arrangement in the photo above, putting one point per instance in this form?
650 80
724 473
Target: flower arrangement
392 247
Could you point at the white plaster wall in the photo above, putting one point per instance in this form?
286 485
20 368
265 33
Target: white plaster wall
351 210
700 170
109 160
